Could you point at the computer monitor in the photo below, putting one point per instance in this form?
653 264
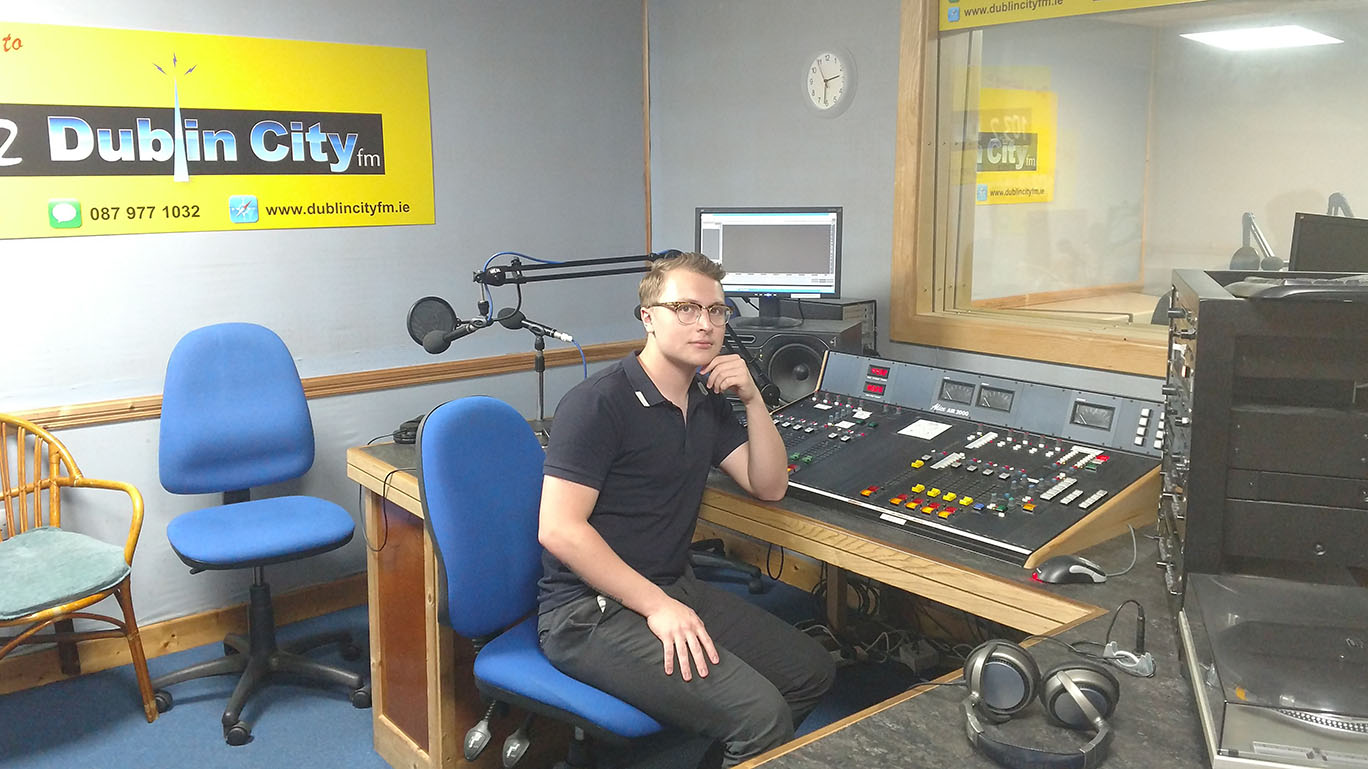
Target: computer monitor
1322 243
773 253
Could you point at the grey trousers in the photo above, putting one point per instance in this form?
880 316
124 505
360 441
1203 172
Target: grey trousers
770 676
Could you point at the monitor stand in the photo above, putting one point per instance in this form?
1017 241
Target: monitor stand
769 316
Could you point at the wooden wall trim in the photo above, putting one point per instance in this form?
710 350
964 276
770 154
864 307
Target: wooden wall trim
149 406
646 112
25 671
916 316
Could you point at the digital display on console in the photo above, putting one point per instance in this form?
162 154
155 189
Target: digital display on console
878 371
957 392
875 388
995 398
1092 415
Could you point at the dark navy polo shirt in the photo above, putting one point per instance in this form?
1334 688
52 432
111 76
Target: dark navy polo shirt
616 433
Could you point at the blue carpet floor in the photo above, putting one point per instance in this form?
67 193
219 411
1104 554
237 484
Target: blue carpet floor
96 720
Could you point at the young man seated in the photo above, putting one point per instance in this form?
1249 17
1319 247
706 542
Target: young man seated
628 460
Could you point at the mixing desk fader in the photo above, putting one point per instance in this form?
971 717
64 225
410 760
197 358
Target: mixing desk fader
1003 467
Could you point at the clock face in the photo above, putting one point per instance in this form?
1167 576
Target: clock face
826 81
829 82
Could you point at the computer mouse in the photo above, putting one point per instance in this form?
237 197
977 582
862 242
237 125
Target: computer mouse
1068 569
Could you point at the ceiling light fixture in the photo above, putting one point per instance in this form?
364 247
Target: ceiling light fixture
1260 38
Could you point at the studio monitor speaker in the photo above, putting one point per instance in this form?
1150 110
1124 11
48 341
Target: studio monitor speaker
792 357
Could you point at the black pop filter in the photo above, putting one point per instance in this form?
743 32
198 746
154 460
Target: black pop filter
431 313
1244 258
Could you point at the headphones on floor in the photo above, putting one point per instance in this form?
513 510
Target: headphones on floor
1003 679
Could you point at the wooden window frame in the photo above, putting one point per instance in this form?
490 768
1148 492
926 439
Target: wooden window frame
918 313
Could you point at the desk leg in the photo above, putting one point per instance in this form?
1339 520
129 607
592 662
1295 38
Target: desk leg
399 675
453 702
836 598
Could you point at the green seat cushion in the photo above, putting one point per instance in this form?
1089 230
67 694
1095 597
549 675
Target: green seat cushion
47 567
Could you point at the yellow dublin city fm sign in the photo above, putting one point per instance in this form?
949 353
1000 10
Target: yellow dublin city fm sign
108 131
966 14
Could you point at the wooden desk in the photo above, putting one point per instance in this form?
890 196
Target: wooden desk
423 692
980 585
423 695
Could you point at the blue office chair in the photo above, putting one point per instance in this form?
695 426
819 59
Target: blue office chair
234 417
480 468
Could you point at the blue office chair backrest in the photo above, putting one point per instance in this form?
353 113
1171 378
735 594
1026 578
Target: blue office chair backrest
480 468
233 412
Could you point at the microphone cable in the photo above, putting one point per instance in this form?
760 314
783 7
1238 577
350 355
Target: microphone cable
1136 662
583 360
769 391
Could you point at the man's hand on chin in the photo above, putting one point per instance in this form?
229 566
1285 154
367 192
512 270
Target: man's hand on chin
730 372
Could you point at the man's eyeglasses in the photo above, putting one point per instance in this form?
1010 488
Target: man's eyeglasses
688 313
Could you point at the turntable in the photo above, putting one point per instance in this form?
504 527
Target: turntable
1279 669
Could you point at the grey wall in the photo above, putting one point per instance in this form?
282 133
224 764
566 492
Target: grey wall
536 129
536 133
729 127
1268 132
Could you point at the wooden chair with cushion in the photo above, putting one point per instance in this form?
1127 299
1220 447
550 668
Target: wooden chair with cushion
50 574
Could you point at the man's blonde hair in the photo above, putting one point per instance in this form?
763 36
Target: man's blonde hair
654 281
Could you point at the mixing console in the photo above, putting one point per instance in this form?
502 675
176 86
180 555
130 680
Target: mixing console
992 487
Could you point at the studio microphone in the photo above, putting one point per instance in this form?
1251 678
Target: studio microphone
437 341
511 318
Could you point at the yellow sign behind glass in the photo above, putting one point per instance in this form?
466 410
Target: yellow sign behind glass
967 14
1016 147
108 131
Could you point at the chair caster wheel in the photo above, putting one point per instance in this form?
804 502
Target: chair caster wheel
238 734
361 698
163 700
350 652
477 739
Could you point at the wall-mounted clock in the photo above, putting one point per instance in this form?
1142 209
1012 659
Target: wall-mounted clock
829 82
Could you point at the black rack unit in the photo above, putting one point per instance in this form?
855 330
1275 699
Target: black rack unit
1265 471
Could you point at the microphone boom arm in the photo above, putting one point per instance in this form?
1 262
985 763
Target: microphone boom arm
1250 230
513 273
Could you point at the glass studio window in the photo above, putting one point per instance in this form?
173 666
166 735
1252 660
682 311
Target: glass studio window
1079 160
